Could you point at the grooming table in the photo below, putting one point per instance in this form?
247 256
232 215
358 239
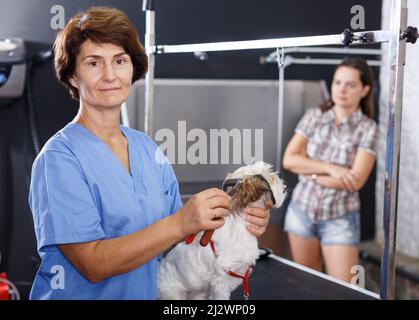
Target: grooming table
276 278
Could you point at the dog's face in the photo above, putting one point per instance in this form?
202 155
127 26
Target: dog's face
249 183
248 190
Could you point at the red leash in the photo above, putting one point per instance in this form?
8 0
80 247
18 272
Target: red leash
244 278
190 238
4 288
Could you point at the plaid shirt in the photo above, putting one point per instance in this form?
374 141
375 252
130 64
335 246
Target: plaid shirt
337 144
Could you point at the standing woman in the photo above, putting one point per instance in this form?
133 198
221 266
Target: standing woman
105 201
333 153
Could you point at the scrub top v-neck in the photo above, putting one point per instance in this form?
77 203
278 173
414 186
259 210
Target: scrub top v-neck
81 192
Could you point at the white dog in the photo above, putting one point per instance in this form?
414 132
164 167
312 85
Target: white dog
213 272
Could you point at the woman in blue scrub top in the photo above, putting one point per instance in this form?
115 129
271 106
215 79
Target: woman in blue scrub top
105 205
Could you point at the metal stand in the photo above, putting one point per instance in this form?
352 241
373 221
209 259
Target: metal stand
150 38
397 54
395 36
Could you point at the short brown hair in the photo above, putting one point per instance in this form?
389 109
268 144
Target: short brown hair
100 25
367 78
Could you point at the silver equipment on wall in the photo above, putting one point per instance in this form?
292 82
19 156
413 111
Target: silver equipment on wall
12 68
15 76
397 37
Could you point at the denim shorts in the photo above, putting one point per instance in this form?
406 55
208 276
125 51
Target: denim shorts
344 230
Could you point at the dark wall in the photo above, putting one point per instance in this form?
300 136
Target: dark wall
179 21
186 21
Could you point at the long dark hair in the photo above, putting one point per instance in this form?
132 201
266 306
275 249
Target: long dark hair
367 78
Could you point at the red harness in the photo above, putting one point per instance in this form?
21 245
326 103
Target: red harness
244 278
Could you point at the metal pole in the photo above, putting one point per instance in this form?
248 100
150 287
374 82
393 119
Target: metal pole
280 117
271 58
149 42
308 60
397 55
335 39
124 115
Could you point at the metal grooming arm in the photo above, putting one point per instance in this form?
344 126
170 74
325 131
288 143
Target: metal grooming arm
397 37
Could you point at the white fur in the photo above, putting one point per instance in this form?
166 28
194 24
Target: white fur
194 272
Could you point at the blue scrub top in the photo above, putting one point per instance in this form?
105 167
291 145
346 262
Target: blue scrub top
81 192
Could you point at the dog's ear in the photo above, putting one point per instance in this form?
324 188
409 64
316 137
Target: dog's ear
278 190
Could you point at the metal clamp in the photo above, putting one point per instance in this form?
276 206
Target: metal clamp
280 57
347 37
148 5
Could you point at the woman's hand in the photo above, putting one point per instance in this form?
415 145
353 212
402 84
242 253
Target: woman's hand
258 219
204 211
337 172
351 181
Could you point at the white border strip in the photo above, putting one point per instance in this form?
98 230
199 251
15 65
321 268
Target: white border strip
324 276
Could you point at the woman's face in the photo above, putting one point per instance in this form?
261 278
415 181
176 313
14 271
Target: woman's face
347 88
103 74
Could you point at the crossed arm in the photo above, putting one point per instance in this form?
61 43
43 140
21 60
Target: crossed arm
329 175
